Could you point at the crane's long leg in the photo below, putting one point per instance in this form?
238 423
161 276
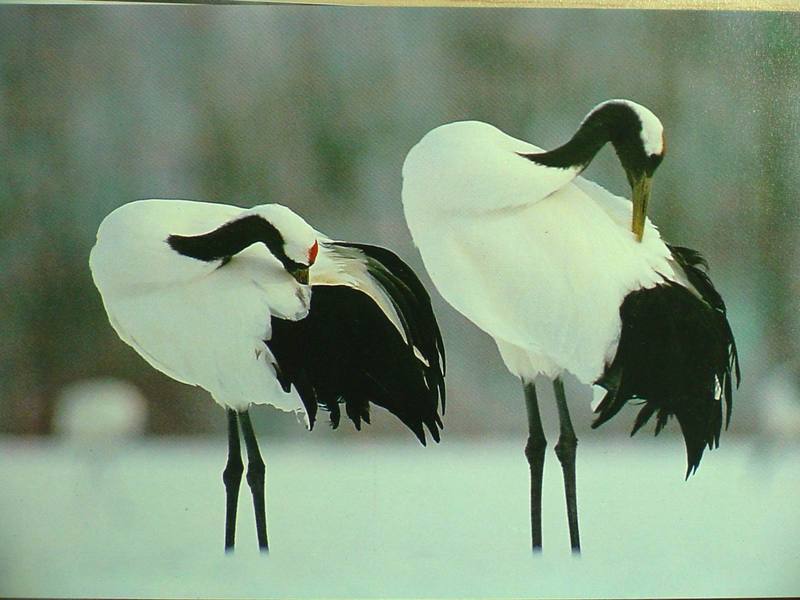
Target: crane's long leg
534 452
566 452
255 479
232 477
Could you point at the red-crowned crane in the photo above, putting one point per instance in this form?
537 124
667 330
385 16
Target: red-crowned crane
567 277
257 307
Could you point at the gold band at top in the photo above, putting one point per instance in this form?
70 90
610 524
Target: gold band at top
769 5
732 5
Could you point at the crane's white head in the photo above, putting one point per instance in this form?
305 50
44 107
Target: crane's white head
636 133
291 240
647 126
296 246
638 138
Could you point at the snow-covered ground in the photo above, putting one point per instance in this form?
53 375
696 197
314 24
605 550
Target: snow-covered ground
360 519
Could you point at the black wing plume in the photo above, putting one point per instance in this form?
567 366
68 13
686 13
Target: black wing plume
413 305
674 351
347 350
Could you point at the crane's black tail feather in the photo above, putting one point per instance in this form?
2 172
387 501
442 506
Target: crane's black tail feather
347 350
677 354
412 304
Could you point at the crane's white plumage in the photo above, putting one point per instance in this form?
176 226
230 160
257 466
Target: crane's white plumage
257 307
190 319
567 277
205 322
499 236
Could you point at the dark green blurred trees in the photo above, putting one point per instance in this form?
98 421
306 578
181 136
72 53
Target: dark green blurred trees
317 107
778 200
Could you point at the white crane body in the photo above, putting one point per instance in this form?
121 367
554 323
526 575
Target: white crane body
146 291
567 277
542 271
201 321
257 307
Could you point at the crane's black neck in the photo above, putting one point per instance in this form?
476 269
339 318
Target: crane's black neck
230 239
617 123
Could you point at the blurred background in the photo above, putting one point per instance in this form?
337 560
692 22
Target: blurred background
316 108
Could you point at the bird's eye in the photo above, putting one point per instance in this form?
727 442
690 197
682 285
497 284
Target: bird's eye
654 161
312 253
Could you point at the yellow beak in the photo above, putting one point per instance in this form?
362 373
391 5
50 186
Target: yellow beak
641 196
300 274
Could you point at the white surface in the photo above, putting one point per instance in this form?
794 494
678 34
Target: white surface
355 520
100 408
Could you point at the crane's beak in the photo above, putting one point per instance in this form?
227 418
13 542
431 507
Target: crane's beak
641 196
300 274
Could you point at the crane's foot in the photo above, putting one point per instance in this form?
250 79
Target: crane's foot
566 450
256 480
232 478
534 452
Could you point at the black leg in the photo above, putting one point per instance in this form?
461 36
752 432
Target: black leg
232 477
255 479
566 451
534 452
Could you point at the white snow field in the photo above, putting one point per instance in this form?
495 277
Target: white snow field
363 519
